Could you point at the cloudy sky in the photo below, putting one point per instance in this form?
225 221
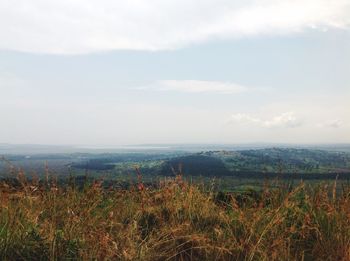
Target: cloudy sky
116 72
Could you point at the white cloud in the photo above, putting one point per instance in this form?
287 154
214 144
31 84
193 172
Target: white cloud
196 86
283 120
84 26
332 124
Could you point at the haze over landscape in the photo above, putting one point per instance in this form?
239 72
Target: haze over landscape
86 73
175 130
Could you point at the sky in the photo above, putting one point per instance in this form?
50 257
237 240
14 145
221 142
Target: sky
110 72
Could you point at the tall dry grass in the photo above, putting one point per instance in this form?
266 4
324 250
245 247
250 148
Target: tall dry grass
175 221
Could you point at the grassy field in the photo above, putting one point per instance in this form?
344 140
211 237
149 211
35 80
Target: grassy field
174 220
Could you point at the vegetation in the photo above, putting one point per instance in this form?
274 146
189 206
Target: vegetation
284 160
172 220
228 163
245 163
196 165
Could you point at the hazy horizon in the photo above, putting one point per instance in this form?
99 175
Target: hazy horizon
117 73
175 145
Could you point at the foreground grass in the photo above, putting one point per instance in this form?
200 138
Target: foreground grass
175 221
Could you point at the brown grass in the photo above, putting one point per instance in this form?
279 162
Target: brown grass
176 221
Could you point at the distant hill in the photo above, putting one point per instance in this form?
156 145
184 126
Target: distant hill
195 165
240 163
272 160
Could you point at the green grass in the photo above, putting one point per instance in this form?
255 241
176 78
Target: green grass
40 220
